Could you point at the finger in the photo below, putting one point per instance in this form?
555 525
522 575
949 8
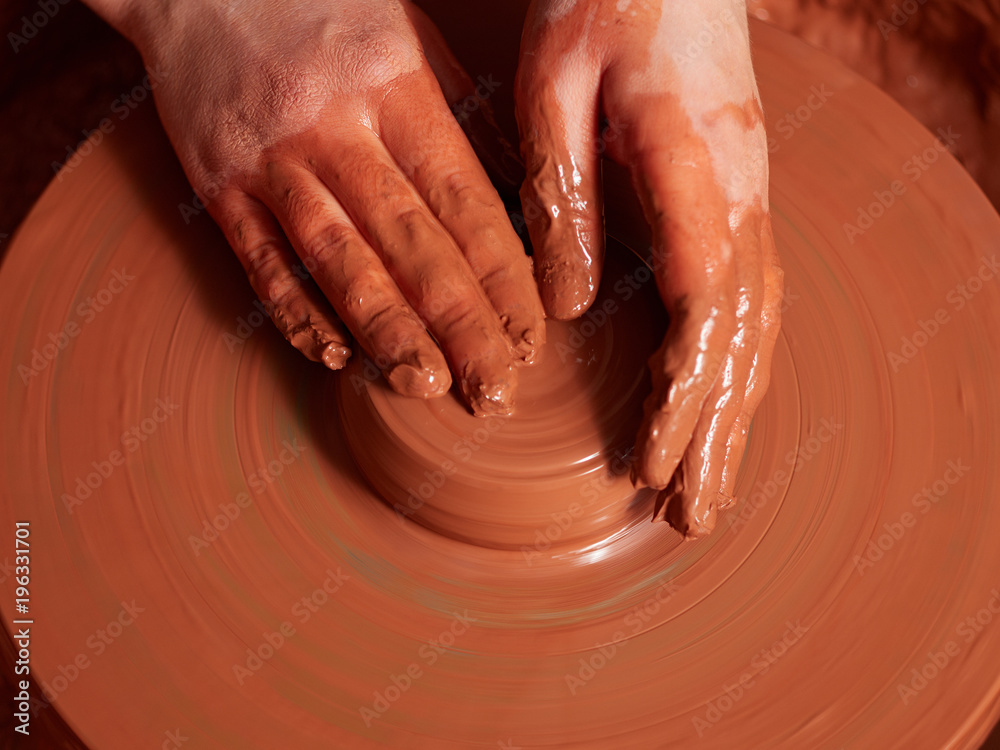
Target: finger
760 372
353 278
556 99
693 260
693 497
470 103
426 264
281 281
441 165
693 509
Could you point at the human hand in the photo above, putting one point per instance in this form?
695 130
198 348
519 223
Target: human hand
318 136
676 84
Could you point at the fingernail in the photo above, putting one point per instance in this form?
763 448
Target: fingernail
313 338
492 395
566 289
335 355
412 378
525 344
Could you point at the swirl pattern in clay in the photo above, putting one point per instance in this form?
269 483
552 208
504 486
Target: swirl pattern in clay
207 560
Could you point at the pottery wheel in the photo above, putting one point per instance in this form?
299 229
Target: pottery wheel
206 560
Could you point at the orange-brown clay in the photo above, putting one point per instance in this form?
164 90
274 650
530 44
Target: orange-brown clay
563 458
207 561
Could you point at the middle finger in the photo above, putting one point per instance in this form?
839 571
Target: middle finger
425 262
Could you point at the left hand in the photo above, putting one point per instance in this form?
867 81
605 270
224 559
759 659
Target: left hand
676 83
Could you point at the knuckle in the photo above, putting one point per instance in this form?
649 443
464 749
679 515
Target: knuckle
268 276
446 300
413 227
263 263
495 275
374 318
466 189
455 315
328 244
461 194
278 290
296 198
390 327
364 297
409 216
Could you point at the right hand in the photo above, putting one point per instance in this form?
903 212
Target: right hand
690 130
317 134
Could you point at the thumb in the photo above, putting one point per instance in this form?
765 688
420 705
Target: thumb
556 99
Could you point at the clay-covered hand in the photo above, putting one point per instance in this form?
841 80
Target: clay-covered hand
319 134
675 83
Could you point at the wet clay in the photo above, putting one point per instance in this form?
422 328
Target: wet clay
563 458
208 561
320 139
683 117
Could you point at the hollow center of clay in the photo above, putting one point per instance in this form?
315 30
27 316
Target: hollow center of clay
557 472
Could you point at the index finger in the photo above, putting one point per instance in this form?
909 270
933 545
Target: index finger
693 260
